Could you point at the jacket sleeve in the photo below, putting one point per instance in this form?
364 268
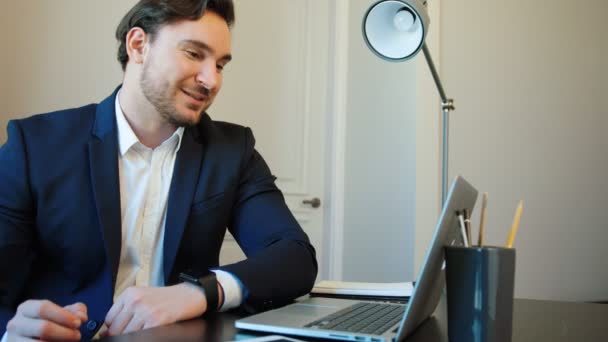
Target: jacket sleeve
17 219
281 263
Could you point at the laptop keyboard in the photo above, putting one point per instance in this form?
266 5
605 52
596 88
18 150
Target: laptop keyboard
367 318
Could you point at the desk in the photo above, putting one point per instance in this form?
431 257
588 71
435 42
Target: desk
533 320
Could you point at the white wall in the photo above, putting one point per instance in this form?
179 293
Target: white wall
529 79
530 82
6 23
57 54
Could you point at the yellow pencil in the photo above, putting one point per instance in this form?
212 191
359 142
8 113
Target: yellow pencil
482 219
515 225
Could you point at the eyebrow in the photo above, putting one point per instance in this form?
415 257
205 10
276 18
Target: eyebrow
200 45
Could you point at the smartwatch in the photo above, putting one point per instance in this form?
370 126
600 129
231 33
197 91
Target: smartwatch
207 281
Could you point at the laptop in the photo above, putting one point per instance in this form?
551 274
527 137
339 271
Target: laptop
351 320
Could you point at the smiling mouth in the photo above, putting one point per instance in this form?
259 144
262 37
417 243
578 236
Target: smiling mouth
196 96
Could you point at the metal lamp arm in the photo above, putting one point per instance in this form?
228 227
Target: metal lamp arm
447 105
429 61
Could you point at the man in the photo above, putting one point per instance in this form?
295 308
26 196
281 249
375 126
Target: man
114 213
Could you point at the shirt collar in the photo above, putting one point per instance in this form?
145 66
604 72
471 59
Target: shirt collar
126 136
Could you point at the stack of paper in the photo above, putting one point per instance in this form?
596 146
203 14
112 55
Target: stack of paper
334 288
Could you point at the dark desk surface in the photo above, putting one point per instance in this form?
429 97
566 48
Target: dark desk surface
533 320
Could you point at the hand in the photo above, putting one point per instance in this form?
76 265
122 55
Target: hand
44 320
140 308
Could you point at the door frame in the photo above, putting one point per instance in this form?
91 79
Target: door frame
336 137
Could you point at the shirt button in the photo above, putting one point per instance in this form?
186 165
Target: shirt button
91 325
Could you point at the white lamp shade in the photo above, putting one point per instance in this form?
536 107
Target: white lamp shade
395 29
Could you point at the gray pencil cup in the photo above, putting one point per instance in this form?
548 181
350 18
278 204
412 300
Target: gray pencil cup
480 282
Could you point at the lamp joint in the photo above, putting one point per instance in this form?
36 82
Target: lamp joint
448 104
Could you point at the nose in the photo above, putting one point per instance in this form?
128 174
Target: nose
208 76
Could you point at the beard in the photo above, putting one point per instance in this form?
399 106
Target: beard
161 94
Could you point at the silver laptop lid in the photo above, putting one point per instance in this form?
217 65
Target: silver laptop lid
431 281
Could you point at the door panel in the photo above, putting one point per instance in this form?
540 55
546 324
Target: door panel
277 85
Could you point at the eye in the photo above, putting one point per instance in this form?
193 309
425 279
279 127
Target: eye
193 54
220 67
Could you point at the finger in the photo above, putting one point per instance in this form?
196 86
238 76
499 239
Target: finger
114 311
120 322
78 309
44 330
134 325
50 311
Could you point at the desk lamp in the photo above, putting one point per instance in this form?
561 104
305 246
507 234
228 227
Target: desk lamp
395 31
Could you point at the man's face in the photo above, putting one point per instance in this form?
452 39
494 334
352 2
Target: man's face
182 71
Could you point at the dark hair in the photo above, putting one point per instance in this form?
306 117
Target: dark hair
151 15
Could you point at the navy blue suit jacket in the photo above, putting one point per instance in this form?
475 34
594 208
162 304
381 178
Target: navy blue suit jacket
60 224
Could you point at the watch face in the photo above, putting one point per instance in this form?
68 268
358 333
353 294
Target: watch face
194 276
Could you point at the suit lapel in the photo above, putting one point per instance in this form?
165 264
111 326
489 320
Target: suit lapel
103 160
183 186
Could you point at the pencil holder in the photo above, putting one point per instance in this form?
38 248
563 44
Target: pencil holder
480 282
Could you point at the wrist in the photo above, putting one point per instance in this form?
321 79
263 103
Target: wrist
207 282
193 297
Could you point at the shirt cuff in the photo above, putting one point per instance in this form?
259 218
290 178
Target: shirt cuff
233 291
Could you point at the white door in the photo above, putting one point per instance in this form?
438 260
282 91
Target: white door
277 85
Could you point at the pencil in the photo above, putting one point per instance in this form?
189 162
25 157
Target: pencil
515 225
482 219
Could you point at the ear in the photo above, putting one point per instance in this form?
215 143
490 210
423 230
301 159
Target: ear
136 43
